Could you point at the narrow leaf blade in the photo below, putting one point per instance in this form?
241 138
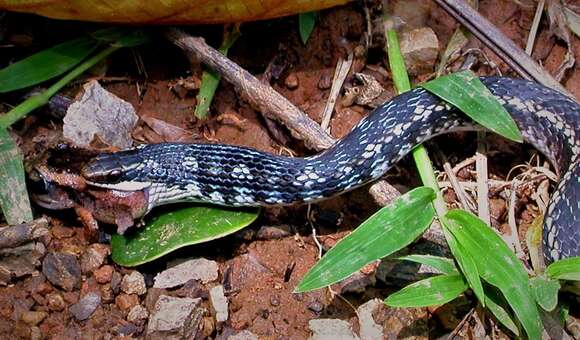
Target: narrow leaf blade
497 265
306 23
435 290
442 264
465 91
388 230
45 65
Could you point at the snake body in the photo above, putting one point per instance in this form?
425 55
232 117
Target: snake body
239 176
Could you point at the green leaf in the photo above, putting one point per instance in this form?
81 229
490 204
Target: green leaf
467 264
435 290
497 265
121 36
396 61
45 65
565 269
14 199
497 305
546 292
388 230
306 23
165 232
442 264
210 79
465 91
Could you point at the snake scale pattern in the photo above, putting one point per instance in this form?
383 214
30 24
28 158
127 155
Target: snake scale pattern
238 176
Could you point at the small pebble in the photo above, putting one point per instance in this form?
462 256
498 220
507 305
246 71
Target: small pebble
103 274
275 300
33 318
107 295
137 313
291 81
94 257
55 302
316 306
126 302
134 283
62 270
219 303
83 309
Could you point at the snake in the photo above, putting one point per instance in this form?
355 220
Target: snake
240 176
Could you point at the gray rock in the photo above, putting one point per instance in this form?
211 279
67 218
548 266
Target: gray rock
369 329
83 309
100 113
219 303
331 329
169 314
420 48
134 283
62 270
198 269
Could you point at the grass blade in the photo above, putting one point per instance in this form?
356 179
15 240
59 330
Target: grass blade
442 264
497 265
566 269
388 230
465 91
167 231
45 65
435 290
14 199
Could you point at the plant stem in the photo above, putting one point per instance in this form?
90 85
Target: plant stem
402 84
34 102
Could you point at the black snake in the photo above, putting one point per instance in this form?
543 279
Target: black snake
238 176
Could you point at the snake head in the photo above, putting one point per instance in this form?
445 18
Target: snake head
114 171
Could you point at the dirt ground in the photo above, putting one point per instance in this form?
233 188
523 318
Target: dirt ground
260 266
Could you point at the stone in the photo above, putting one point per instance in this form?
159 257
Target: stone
126 301
104 274
325 329
219 303
137 313
169 314
83 309
368 328
134 283
243 335
274 232
198 269
99 113
33 318
291 81
62 270
94 257
55 302
420 49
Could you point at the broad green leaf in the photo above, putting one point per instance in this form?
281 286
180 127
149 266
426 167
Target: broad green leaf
442 264
565 269
306 23
435 290
545 291
465 91
388 230
497 305
497 265
165 232
45 65
14 199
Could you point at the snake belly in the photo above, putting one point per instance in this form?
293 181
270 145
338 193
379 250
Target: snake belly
239 176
